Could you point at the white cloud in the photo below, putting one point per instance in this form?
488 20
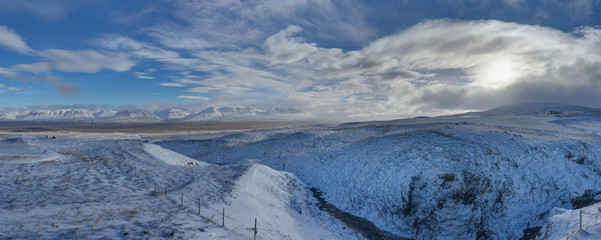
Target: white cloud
283 48
39 67
6 72
88 61
14 89
49 9
197 98
10 40
514 3
143 50
433 68
171 84
209 24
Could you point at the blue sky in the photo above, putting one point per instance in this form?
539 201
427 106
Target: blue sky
350 59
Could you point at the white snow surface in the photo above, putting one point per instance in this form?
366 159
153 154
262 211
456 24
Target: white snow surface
477 176
235 113
482 176
171 157
135 115
229 113
84 188
56 115
565 224
171 114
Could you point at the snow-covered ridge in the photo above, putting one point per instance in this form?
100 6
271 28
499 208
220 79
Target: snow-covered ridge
57 115
538 109
232 113
247 113
171 114
136 115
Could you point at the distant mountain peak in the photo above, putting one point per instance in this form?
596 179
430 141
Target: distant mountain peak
171 114
226 113
235 113
134 115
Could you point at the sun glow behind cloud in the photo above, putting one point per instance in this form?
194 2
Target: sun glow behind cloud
333 62
497 73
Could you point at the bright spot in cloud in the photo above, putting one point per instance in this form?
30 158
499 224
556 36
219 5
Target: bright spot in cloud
497 73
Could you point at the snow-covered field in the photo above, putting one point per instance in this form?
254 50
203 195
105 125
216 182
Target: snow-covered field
500 174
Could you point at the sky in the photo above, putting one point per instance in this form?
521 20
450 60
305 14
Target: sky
345 59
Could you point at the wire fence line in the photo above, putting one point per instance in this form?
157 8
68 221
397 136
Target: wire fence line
215 213
589 222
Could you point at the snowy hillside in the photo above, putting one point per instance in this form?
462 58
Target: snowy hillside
538 109
247 113
171 114
137 115
443 178
103 114
57 115
506 175
80 188
10 115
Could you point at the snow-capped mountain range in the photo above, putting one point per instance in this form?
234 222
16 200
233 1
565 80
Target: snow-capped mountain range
229 113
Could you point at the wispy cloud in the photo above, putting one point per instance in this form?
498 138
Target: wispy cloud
171 84
433 68
88 61
12 41
138 49
197 98
47 9
84 61
211 25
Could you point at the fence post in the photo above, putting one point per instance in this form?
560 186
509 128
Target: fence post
223 218
580 220
255 235
182 202
155 187
198 206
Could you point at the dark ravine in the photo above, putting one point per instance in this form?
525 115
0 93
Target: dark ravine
531 233
358 224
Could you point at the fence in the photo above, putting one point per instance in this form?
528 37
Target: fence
589 222
210 212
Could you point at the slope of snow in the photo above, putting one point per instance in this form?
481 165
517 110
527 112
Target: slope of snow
565 224
87 188
171 157
539 109
237 113
283 206
57 115
102 114
137 115
172 113
12 115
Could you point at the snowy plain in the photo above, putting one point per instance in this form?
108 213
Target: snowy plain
523 171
